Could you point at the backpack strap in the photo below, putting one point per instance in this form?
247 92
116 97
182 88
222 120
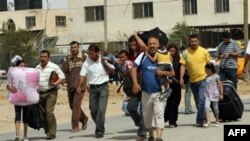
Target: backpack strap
143 56
184 55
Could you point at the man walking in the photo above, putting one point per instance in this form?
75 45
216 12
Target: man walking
228 52
152 105
94 73
195 58
48 92
71 67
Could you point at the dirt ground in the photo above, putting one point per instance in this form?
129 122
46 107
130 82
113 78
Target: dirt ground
63 113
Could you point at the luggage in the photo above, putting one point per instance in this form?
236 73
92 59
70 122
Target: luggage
231 107
155 32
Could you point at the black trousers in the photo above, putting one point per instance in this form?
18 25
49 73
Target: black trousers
173 102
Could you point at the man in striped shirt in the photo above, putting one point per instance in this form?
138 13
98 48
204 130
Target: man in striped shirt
48 92
228 52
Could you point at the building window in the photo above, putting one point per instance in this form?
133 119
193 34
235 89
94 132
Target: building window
3 5
94 13
143 10
221 6
189 7
28 4
61 21
30 21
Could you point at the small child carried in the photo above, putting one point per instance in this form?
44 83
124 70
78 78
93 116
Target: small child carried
164 62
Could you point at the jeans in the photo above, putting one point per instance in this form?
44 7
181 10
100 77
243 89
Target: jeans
198 90
229 74
75 102
188 106
18 113
133 104
97 104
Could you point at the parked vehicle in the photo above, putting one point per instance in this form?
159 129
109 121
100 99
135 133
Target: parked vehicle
3 73
57 59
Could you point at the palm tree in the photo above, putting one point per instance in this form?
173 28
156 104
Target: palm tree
180 34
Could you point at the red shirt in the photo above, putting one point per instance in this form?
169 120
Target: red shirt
133 55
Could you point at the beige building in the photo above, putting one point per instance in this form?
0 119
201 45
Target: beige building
83 20
126 16
45 18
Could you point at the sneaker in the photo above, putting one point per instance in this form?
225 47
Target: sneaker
217 124
166 94
206 125
25 139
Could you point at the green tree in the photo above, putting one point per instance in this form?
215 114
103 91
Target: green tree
17 42
180 34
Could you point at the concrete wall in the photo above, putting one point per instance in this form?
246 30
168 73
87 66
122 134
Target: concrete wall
121 23
166 14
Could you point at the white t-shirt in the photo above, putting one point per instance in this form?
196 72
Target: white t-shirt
94 72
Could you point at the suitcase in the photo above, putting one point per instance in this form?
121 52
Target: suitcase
231 107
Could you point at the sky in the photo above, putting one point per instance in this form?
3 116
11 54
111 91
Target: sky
55 4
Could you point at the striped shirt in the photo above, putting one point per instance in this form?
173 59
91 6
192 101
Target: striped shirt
45 75
229 62
71 68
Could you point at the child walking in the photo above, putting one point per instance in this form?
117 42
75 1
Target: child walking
20 111
213 93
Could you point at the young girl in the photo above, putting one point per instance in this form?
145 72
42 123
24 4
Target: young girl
213 93
20 110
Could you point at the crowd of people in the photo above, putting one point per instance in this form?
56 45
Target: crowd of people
152 69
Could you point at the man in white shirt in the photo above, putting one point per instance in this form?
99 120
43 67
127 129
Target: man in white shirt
97 77
48 92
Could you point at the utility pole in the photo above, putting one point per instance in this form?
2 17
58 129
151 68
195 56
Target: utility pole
245 23
45 25
105 25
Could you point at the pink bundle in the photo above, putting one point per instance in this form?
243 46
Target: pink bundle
25 80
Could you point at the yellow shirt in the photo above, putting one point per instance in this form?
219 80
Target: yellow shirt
195 60
163 58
